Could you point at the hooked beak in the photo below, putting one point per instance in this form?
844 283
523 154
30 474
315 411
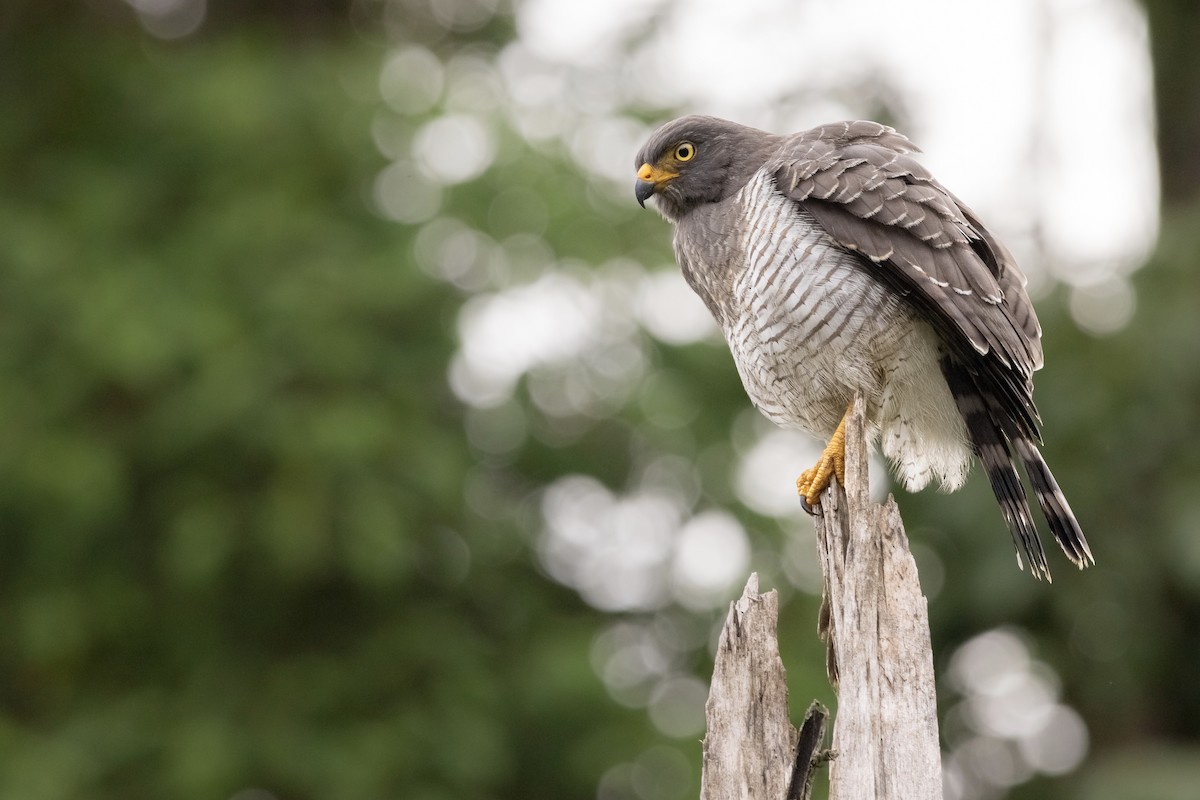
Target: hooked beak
649 179
642 191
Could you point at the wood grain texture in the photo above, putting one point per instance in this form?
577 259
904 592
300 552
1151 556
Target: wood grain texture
885 733
874 620
750 745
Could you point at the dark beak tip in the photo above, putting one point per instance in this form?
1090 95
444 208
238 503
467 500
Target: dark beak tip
642 190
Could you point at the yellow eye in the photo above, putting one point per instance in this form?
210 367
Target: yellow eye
685 151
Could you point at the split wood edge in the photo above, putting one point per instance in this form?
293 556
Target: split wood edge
875 624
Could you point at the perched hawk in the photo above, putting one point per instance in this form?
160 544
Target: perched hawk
835 263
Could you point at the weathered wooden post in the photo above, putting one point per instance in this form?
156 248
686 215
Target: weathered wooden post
875 623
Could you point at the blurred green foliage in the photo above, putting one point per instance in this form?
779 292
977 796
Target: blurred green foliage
235 552
234 548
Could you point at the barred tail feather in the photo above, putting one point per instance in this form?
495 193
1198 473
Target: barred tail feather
1010 492
1054 505
991 446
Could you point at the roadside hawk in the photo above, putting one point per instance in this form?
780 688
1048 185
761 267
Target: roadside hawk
836 264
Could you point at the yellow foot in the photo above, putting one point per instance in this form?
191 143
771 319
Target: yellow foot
812 482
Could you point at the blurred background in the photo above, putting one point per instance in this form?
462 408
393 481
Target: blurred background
359 438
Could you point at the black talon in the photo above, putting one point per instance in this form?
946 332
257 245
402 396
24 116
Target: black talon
812 511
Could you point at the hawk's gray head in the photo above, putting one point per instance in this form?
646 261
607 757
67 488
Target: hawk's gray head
695 160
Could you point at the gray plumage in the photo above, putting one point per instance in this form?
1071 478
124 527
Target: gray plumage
835 263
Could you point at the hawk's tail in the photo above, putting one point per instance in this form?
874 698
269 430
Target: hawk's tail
983 419
992 449
1054 505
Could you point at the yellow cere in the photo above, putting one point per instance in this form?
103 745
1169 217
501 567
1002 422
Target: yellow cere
655 174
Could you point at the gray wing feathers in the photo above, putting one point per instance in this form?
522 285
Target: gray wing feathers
859 183
1012 283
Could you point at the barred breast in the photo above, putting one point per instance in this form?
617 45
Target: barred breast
808 327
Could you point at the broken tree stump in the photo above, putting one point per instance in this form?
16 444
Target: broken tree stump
875 623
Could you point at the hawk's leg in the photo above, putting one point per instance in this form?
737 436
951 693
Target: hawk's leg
813 481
